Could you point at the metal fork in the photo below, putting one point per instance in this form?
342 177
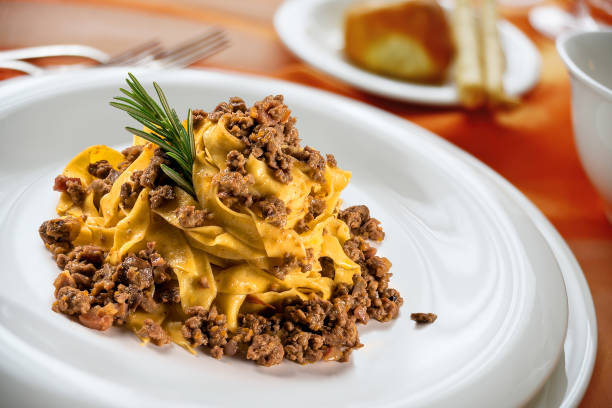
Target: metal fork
148 54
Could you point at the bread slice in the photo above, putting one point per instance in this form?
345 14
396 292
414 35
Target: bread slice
410 40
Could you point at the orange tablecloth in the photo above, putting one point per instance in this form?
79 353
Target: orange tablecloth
532 146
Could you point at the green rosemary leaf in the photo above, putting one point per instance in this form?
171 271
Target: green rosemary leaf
182 132
167 131
166 106
129 109
139 89
178 179
128 101
190 133
152 126
181 162
152 138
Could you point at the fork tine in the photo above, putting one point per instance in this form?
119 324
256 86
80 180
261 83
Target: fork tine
206 47
198 54
191 43
144 56
135 53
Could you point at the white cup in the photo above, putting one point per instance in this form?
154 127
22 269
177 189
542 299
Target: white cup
588 57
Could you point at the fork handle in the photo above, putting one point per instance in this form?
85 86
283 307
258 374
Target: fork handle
55 51
21 66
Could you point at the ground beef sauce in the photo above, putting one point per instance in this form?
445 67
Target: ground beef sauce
101 295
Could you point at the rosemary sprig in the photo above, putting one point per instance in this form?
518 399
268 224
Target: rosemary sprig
167 131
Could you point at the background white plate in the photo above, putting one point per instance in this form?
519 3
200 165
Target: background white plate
496 285
313 31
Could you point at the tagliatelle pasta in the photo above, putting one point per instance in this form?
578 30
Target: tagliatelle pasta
243 240
257 261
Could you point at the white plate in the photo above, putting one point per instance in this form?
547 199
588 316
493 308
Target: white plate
568 382
494 282
312 30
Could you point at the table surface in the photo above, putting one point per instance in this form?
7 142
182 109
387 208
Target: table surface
532 146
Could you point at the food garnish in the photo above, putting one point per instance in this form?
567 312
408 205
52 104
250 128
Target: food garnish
165 129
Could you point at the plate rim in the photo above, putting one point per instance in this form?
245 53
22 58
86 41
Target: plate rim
575 391
395 89
32 83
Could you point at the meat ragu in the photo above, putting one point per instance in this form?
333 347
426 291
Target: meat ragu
234 268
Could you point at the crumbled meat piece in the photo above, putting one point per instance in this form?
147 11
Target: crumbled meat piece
328 270
206 328
287 263
273 210
112 176
59 230
422 318
129 194
129 295
130 190
313 159
316 207
99 188
73 186
320 330
104 279
239 124
371 230
198 117
99 317
353 248
361 224
267 144
274 131
161 270
168 292
131 153
236 161
266 350
154 332
190 217
81 268
151 174
235 104
88 254
311 314
100 169
331 160
137 272
355 216
71 301
233 188
63 279
160 195
231 348
378 266
384 301
301 226
103 294
270 111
